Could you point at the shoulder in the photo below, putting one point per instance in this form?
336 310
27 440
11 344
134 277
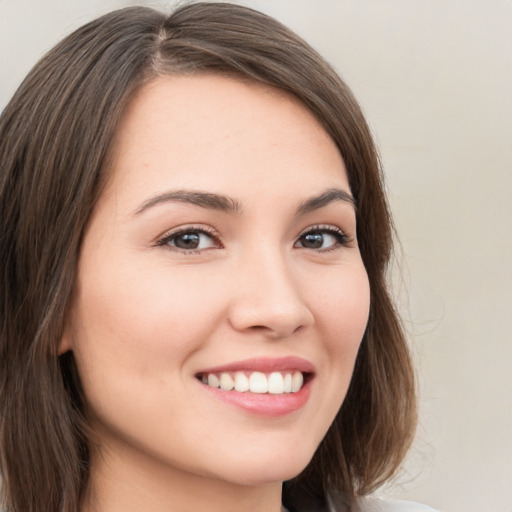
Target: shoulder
382 505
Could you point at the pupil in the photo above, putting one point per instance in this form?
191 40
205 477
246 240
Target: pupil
313 240
188 241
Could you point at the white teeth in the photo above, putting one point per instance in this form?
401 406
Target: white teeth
213 380
226 382
288 383
275 383
241 382
258 383
297 381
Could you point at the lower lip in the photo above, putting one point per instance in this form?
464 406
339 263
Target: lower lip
264 404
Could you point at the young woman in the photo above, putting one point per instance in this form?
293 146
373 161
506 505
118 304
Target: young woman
194 312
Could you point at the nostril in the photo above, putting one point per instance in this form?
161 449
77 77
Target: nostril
270 319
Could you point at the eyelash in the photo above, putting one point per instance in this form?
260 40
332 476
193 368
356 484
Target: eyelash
342 239
168 237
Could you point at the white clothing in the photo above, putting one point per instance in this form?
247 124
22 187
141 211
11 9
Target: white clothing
371 504
382 505
336 503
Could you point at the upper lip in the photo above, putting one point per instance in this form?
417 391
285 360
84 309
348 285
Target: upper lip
264 365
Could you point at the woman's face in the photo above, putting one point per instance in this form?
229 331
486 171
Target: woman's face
222 252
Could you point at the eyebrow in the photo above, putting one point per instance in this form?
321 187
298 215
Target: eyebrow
329 196
202 199
222 203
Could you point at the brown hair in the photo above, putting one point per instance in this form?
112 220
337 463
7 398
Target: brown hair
55 136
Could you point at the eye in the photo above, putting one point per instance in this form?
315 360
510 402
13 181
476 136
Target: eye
190 240
322 238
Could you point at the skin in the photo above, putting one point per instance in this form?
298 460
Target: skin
147 315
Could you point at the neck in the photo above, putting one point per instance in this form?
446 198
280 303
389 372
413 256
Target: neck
132 484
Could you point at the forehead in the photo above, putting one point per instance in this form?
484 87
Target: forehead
211 131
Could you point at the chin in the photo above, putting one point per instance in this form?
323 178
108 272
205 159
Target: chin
277 466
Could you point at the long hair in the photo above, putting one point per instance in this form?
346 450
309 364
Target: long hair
55 138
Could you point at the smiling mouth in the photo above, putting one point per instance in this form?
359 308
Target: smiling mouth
274 383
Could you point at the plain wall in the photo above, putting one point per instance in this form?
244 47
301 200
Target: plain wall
435 80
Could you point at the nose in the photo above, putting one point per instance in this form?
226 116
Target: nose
268 298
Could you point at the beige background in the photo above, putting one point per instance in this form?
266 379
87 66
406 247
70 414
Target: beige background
435 79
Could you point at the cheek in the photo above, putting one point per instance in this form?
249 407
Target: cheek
145 306
132 327
342 306
133 336
342 315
